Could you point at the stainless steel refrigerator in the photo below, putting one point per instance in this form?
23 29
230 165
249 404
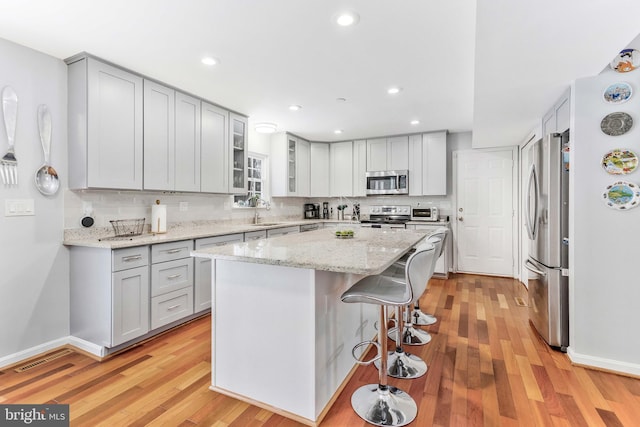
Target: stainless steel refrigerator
547 223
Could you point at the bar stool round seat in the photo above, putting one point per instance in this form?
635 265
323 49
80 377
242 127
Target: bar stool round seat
381 404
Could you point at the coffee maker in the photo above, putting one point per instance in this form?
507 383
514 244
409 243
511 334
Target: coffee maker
325 210
311 211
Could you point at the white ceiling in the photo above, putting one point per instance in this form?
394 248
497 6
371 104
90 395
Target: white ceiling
494 72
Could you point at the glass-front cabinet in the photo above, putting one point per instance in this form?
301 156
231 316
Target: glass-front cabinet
238 165
291 152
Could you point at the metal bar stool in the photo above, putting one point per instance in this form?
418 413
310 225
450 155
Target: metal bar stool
381 404
418 317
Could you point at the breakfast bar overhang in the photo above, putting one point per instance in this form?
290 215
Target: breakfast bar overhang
281 338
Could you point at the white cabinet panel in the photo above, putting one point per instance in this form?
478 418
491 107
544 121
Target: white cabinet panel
377 154
238 154
434 164
303 168
319 169
359 168
130 305
290 166
415 165
214 149
159 136
341 169
187 152
398 153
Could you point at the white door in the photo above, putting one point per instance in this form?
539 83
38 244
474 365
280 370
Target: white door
485 214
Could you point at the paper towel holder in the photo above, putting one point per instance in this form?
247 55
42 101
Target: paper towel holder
158 219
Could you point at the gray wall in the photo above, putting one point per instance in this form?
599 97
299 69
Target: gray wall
604 249
34 278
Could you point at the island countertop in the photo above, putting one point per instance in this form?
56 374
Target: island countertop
370 251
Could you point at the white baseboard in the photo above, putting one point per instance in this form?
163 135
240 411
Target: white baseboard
606 364
89 347
14 358
29 353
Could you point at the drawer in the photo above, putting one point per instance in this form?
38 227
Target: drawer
169 251
255 235
126 258
170 307
282 231
219 240
171 275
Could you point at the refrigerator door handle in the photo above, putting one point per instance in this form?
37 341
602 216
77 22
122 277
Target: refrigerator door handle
529 266
532 223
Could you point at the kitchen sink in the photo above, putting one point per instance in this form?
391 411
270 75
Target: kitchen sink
265 224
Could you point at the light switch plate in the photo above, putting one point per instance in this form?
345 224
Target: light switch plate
19 207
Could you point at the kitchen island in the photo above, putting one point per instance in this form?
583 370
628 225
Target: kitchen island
281 337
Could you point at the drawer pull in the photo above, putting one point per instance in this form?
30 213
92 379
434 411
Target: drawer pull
131 258
173 307
172 251
174 276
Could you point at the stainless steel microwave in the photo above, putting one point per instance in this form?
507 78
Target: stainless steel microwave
387 182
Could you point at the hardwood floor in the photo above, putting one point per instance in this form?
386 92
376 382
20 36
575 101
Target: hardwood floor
487 367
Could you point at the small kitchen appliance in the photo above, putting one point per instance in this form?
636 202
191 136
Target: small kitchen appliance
424 214
387 182
325 210
311 211
387 216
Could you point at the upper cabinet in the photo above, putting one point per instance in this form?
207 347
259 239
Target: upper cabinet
359 168
105 126
187 153
557 119
238 153
319 169
290 165
341 169
388 153
214 149
428 164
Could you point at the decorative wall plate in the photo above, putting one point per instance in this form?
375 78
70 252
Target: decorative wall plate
627 60
615 124
618 93
621 195
620 161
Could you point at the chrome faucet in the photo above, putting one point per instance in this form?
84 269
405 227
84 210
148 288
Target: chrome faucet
256 200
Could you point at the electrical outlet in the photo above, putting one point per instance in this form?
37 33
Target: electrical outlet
184 206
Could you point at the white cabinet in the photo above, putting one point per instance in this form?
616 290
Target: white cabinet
428 164
319 169
273 232
105 131
341 169
290 165
388 153
159 136
171 139
557 119
187 152
237 153
443 264
214 149
109 294
171 282
359 168
202 278
255 235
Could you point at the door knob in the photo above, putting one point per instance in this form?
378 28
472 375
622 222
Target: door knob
460 219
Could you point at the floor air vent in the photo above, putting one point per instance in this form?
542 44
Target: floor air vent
45 359
521 302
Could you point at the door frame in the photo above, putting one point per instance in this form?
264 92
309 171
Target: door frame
515 205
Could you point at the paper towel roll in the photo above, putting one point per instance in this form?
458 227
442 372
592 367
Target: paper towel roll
159 218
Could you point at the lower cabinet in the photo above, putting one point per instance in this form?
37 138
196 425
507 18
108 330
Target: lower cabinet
273 232
130 304
443 264
202 280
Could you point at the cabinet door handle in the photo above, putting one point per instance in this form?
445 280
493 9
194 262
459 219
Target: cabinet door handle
172 251
174 276
173 307
131 258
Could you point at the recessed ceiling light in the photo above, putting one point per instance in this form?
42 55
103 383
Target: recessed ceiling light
210 60
347 18
337 131
266 127
295 107
394 90
415 122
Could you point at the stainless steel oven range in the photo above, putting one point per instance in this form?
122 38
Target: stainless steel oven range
387 216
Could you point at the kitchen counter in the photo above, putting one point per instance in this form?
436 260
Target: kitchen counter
99 238
371 251
280 298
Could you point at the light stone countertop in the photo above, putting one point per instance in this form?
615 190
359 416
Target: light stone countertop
371 251
99 238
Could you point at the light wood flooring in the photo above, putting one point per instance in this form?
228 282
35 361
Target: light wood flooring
487 367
